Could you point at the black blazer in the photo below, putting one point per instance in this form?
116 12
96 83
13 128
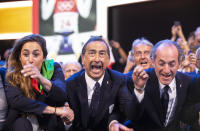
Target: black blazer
192 107
111 90
147 115
18 103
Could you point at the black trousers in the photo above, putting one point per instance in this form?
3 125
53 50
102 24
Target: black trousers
22 124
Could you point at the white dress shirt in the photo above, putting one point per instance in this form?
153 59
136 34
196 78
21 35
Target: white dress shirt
90 86
172 99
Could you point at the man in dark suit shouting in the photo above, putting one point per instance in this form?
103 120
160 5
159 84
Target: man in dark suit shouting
95 90
160 92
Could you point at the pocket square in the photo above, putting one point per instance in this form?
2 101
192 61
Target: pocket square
111 108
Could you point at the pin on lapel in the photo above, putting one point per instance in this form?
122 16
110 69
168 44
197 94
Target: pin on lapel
107 82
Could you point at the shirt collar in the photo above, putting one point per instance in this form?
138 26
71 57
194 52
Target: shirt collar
91 82
172 85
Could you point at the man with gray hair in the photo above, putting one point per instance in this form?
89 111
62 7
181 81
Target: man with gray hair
70 68
159 92
140 55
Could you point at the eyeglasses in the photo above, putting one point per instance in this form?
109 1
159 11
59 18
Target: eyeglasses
92 53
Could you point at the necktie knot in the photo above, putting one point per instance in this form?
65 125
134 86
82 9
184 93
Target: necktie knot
97 85
166 88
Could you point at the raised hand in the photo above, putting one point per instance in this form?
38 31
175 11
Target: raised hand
31 71
115 44
139 76
192 58
174 32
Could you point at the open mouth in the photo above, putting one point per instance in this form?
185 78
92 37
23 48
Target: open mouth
166 76
144 63
96 68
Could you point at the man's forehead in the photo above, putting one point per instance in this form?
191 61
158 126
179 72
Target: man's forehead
167 50
166 59
71 65
160 59
167 46
142 47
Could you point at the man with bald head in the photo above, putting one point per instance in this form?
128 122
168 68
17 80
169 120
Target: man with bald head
160 92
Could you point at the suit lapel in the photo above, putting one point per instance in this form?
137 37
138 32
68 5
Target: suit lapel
179 97
153 91
83 98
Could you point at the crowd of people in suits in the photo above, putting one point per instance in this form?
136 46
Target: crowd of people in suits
158 91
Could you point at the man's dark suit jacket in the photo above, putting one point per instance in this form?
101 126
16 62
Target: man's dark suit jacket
193 104
112 94
18 102
147 115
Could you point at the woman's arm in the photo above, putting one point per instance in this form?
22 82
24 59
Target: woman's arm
65 112
54 87
17 100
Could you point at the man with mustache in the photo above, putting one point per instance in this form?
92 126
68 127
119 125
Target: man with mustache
159 92
94 91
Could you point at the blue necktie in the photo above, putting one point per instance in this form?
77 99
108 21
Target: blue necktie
165 101
95 100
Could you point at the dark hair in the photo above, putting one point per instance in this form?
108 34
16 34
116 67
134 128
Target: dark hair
93 39
181 55
30 38
14 75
